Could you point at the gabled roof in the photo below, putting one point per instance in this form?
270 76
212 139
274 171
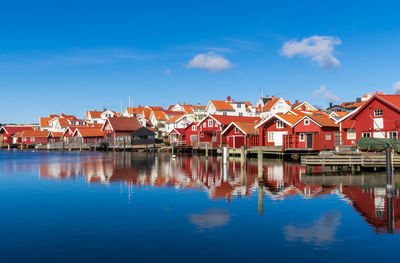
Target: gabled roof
122 124
18 134
320 120
188 109
160 115
180 131
245 127
88 132
35 134
391 100
222 105
94 114
44 121
289 119
14 129
299 104
56 134
132 110
174 118
269 104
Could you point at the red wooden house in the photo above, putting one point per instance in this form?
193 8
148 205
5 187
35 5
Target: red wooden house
120 127
29 137
191 133
211 127
7 132
315 132
88 134
240 134
177 136
379 117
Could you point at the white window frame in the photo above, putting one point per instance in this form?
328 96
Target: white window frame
204 124
279 124
302 137
32 139
328 137
210 123
351 132
390 135
270 137
237 130
378 112
24 139
307 122
366 134
194 128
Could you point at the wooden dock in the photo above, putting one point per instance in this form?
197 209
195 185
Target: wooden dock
359 161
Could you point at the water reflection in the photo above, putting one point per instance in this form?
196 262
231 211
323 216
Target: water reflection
320 231
365 193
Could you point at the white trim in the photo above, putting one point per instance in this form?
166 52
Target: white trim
270 117
234 124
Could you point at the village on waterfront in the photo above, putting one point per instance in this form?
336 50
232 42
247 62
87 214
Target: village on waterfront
275 124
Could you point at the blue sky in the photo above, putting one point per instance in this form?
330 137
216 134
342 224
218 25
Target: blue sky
70 56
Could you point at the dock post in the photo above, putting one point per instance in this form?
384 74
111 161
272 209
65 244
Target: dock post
389 213
172 149
260 165
353 169
308 170
124 144
242 156
8 146
260 198
80 147
22 146
206 150
242 176
225 155
389 170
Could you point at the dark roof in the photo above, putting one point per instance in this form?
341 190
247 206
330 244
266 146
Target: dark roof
143 131
124 123
265 100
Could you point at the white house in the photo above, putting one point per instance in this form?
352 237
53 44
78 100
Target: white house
179 121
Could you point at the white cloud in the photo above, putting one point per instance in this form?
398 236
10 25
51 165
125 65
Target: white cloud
210 61
396 87
319 48
210 218
328 95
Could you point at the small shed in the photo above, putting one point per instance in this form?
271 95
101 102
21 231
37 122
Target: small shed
143 135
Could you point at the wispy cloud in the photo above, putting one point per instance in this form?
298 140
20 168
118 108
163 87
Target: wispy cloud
396 87
318 48
241 43
323 230
210 61
328 95
210 218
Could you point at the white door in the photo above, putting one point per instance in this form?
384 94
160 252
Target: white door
278 138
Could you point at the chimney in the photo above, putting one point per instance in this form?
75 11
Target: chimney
330 104
358 100
297 101
228 98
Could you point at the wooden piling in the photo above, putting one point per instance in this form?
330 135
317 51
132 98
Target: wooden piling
260 198
242 157
206 150
260 165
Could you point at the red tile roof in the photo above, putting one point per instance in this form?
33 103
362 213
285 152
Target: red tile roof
221 105
174 118
269 104
123 123
44 122
89 132
180 131
247 127
36 134
323 120
56 134
160 115
14 129
292 119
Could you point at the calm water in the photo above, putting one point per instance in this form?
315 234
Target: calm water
116 207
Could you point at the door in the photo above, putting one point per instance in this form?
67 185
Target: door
309 140
278 138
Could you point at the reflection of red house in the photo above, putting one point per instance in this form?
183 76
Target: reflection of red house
211 127
372 205
379 117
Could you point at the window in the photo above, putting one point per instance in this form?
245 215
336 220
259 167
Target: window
328 137
351 134
270 136
237 130
366 134
306 122
204 124
32 139
5 137
279 124
224 113
202 135
392 135
378 123
94 121
194 128
24 139
378 112
210 123
240 114
302 137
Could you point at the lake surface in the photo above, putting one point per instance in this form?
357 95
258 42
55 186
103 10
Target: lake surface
136 207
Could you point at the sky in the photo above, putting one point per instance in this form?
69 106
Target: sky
72 56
